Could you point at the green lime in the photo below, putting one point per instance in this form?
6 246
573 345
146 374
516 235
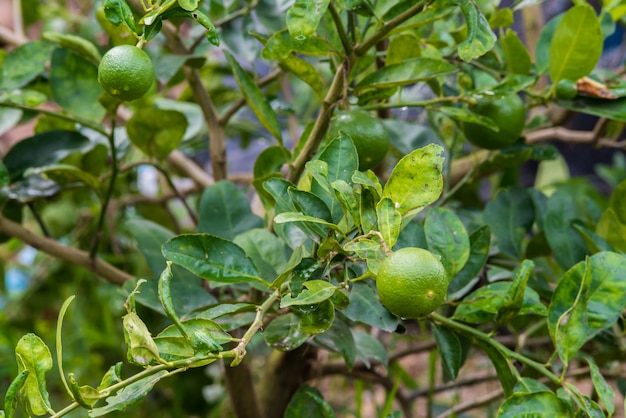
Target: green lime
509 115
368 134
126 72
412 282
566 89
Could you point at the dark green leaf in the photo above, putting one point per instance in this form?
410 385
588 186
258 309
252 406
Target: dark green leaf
212 258
501 364
510 216
370 348
33 355
366 308
255 99
529 385
311 205
576 45
348 200
23 64
367 211
536 404
407 72
304 16
308 402
612 224
42 150
118 12
314 291
416 180
266 251
129 395
603 389
284 333
76 43
339 339
11 397
225 211
480 37
514 298
156 132
451 351
67 175
447 237
610 109
480 241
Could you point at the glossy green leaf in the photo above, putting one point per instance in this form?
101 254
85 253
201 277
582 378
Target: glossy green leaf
319 318
518 59
514 298
610 109
112 376
308 402
129 395
542 53
118 12
85 395
369 249
483 305
314 291
266 251
78 44
407 72
480 241
461 114
568 246
529 385
340 340
67 175
189 5
33 355
591 293
141 349
370 349
586 405
612 224
389 221
311 205
576 45
368 180
284 333
480 38
447 237
255 99
224 211
24 64
304 16
416 180
501 364
304 71
11 396
42 150
281 45
165 297
367 211
403 47
451 350
536 404
156 132
347 198
365 308
212 258
510 216
205 336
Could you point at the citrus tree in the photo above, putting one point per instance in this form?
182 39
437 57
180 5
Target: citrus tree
310 208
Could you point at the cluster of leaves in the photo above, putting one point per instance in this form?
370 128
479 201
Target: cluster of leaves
529 261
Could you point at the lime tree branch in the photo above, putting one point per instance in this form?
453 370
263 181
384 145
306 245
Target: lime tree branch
64 252
473 332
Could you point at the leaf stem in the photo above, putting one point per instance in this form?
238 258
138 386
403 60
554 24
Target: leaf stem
450 323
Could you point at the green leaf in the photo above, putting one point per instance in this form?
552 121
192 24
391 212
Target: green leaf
33 355
67 175
311 205
480 241
304 71
42 150
206 336
461 114
266 251
24 64
340 340
518 59
129 395
480 37
304 16
576 45
78 44
308 402
593 290
281 45
85 395
514 298
255 99
416 180
612 223
189 5
11 397
451 350
224 211
529 385
537 404
586 405
542 53
389 221
118 12
286 217
141 349
367 211
603 389
315 291
370 348
610 109
212 258
407 72
501 364
112 376
156 132
318 318
403 47
447 237
284 333
510 216
365 308
347 198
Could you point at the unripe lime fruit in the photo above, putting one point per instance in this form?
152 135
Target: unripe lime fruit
566 90
368 134
412 282
126 72
509 115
